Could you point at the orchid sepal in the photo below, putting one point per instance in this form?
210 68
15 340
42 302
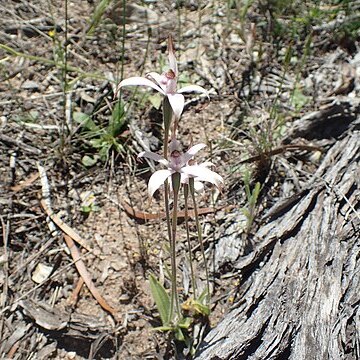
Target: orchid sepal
154 156
192 152
194 88
140 81
157 179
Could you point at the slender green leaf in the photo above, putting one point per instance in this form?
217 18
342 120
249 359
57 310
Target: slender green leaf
203 296
85 121
161 298
201 308
163 328
98 13
118 118
246 212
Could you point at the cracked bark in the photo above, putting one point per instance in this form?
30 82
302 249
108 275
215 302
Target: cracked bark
301 297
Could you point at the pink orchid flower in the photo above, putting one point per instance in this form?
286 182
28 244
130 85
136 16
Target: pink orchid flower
198 181
179 162
166 83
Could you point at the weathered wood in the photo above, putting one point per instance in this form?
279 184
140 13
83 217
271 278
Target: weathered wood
333 119
302 297
80 326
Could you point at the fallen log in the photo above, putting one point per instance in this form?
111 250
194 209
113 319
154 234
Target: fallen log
300 289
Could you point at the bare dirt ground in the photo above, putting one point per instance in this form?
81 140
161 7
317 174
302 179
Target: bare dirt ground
258 88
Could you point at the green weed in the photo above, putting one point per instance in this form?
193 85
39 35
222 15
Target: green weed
103 140
251 201
97 15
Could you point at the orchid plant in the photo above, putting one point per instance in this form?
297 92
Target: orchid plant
181 170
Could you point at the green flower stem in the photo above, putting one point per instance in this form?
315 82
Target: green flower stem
167 115
199 231
123 30
167 195
168 223
176 186
186 196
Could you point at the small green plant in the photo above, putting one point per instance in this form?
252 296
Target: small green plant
181 171
163 303
113 137
298 99
251 197
240 9
31 116
97 15
193 309
88 203
197 306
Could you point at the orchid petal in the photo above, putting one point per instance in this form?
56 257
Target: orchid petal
206 164
172 58
157 179
137 80
153 156
198 186
192 152
203 174
184 178
194 88
158 78
177 102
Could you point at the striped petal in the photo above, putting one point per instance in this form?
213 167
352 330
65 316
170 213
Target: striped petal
157 179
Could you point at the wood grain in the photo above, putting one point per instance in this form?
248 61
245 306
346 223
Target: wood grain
300 295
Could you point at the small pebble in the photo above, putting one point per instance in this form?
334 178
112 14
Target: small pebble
30 85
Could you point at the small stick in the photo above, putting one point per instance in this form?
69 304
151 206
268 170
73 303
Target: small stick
75 294
74 251
29 181
280 151
45 189
64 227
13 350
140 215
5 234
13 168
27 148
80 266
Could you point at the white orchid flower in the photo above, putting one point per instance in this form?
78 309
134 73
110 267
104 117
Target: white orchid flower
179 163
198 181
166 83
